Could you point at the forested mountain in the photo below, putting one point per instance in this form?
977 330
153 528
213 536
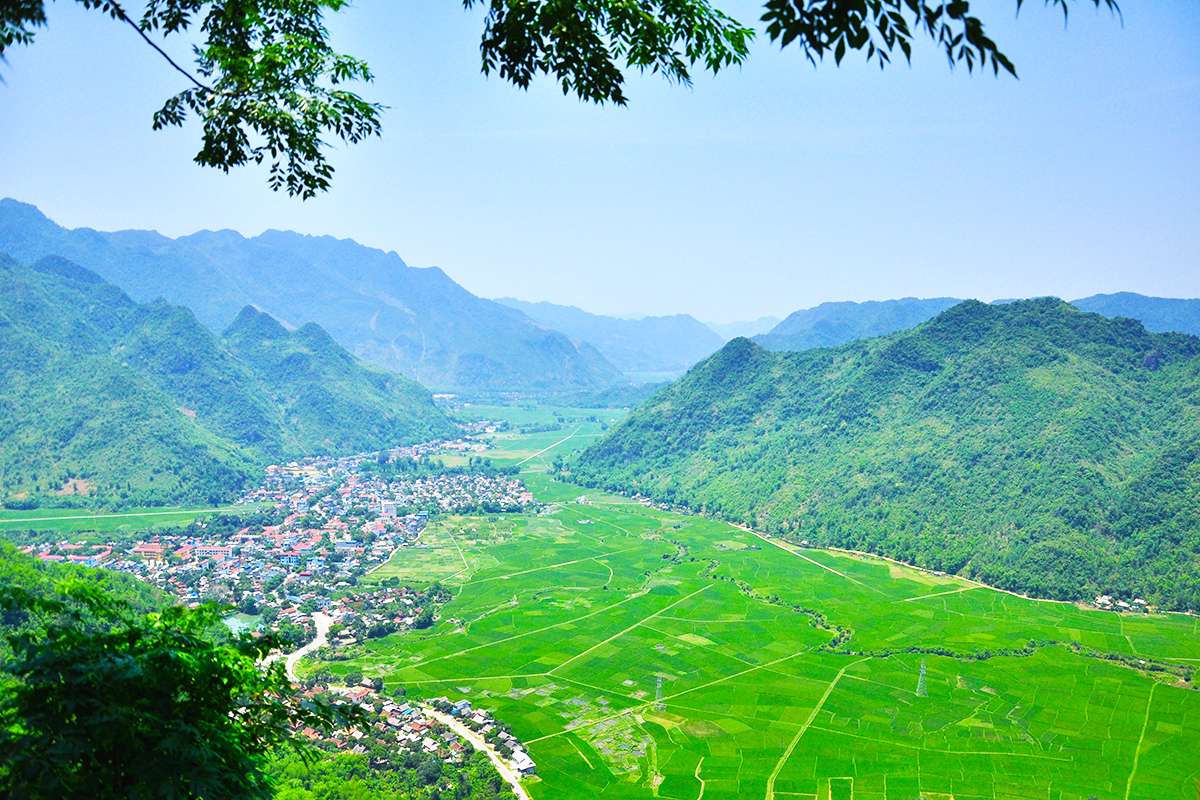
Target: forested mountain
1160 314
638 347
1031 445
831 324
415 321
131 402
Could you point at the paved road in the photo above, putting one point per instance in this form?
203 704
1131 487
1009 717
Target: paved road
477 741
322 623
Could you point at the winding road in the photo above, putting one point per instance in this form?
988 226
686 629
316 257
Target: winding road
322 623
506 772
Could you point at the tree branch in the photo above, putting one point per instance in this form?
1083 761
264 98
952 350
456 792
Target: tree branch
122 15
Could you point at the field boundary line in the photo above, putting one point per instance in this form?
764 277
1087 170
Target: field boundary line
1137 753
567 438
475 678
624 631
942 751
458 547
548 566
581 755
788 548
959 590
791 748
633 596
666 698
739 674
636 700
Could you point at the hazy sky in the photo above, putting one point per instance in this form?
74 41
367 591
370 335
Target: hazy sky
766 189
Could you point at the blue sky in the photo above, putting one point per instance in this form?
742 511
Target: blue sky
763 190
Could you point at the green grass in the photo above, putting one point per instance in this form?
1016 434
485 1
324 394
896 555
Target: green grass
563 624
71 520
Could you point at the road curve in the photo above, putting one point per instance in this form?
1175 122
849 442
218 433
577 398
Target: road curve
322 623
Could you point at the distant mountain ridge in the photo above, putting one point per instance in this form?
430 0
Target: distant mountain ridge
140 403
1031 445
832 324
640 346
415 321
1158 314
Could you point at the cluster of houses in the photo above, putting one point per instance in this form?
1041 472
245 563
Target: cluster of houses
1108 603
397 727
333 521
271 567
358 616
481 722
456 493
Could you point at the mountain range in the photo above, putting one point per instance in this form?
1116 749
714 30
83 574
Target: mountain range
646 347
139 403
831 324
1030 445
414 321
1159 314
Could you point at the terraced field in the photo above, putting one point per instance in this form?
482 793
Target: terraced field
642 653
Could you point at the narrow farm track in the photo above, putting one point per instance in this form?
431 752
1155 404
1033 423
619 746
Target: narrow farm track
1137 753
791 748
548 448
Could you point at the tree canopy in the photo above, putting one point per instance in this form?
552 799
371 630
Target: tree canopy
267 85
99 698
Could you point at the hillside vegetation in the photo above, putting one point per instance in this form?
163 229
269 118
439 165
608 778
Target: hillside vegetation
134 404
1031 445
417 322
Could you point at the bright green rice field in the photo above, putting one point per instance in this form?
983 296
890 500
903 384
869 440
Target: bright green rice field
71 520
641 653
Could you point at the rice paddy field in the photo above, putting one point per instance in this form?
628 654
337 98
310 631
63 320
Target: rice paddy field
640 653
73 520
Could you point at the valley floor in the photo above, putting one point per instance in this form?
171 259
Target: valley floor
640 653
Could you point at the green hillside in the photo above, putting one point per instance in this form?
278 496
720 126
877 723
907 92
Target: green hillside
417 322
1030 445
330 402
140 404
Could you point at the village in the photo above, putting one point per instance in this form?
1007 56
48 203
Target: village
312 534
325 523
396 730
